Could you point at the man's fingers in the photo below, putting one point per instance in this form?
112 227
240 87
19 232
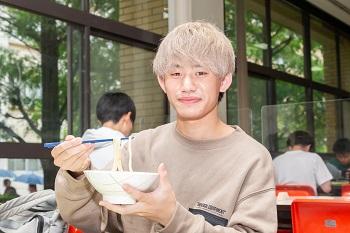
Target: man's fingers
77 163
74 159
57 150
136 194
69 137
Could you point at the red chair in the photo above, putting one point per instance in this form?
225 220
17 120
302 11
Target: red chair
321 215
296 190
345 190
72 229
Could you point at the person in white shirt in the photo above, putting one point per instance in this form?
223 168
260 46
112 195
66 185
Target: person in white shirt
116 112
300 166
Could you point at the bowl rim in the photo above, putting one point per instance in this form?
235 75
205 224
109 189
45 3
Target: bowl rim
121 172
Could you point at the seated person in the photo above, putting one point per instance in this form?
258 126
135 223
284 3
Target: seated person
340 165
300 166
116 113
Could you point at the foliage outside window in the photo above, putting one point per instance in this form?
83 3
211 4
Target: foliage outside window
325 120
286 39
256 45
32 80
290 110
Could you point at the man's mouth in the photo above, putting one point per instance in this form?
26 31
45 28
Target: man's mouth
189 100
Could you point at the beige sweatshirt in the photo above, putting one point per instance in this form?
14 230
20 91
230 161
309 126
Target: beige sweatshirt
223 185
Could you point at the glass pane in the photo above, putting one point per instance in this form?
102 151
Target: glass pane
345 116
286 39
323 53
119 67
148 15
344 46
255 24
230 21
33 77
12 169
290 117
258 98
325 120
330 121
33 71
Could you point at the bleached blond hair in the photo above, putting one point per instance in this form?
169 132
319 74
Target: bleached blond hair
201 43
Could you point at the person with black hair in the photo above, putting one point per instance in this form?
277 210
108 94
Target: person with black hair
9 190
340 165
300 166
32 188
116 113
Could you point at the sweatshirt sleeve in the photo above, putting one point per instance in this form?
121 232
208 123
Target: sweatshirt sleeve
78 201
255 210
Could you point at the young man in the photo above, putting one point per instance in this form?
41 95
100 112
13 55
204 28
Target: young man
213 177
340 165
116 113
300 166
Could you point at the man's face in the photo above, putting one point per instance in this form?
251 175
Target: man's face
344 158
193 90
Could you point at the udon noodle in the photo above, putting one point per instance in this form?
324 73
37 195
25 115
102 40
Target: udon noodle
117 162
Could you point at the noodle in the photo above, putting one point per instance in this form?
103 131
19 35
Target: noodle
117 162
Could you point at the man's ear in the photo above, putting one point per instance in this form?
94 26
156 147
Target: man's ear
161 81
127 117
226 82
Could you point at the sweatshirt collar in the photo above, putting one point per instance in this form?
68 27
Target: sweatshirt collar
207 144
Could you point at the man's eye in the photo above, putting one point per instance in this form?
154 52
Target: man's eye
201 73
175 74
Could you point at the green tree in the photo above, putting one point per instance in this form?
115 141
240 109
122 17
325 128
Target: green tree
34 83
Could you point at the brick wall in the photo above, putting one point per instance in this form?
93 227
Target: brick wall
345 63
330 76
137 78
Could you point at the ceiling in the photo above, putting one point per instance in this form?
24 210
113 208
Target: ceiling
340 9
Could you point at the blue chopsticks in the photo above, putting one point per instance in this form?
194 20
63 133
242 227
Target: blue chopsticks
53 144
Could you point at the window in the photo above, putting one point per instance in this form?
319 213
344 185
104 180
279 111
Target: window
119 67
33 77
344 47
148 15
258 98
290 111
286 39
325 120
255 31
323 53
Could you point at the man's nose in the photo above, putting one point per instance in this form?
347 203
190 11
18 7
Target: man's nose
188 83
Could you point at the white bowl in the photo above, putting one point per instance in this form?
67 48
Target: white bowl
109 184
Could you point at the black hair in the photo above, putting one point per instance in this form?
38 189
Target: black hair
341 146
113 105
7 181
300 137
221 94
